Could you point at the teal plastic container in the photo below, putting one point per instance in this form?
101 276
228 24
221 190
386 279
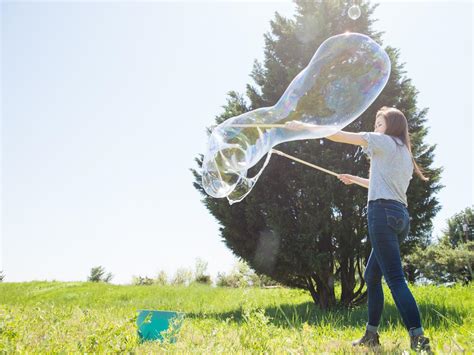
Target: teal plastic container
158 325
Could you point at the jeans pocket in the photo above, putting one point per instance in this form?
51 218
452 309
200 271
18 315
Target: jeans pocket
396 219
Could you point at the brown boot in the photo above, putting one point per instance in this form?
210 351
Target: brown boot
368 339
420 343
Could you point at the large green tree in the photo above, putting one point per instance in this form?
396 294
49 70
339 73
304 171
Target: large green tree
299 226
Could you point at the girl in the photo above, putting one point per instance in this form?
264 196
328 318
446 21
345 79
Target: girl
391 169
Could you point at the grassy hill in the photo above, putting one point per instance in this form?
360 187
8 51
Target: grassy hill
93 317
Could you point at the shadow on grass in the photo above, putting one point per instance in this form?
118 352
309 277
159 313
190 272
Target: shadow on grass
293 316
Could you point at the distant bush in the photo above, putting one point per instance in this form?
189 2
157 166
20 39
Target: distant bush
142 281
98 275
161 278
204 279
224 280
266 281
2 275
182 277
243 276
200 273
185 276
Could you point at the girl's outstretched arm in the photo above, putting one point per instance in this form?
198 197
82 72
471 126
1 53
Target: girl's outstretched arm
341 136
349 138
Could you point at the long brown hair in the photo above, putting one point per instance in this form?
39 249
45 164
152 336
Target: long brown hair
397 126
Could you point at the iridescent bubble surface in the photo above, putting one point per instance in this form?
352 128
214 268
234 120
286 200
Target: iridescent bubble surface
344 76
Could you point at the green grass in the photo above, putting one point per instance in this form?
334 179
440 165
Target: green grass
91 317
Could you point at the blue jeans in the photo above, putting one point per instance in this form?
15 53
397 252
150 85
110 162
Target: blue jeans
389 224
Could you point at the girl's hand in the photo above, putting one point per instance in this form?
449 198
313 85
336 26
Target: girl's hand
346 178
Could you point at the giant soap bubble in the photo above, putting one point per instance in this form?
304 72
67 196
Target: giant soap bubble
345 75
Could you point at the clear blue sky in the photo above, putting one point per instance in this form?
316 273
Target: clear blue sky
104 107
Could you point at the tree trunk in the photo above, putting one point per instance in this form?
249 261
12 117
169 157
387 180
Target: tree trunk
312 291
325 289
358 297
347 280
410 273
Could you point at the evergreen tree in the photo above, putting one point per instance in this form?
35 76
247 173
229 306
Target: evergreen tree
301 227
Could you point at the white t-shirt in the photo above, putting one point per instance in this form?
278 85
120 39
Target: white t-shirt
391 167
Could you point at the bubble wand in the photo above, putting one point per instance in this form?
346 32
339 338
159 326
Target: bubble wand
258 125
312 165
